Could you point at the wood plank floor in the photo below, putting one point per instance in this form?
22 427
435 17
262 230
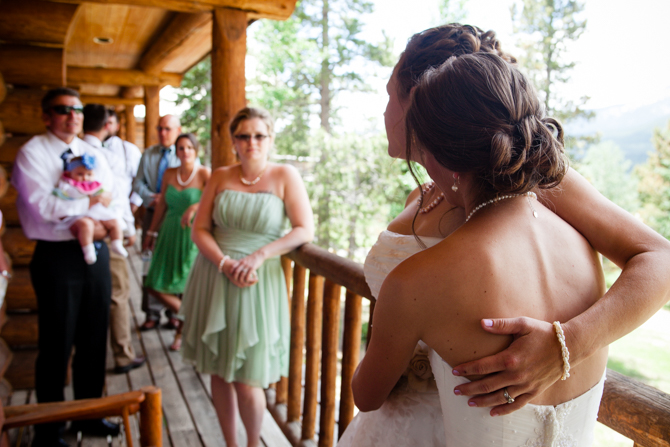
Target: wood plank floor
189 418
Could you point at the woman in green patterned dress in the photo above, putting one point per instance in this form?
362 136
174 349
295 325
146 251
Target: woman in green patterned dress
174 251
235 308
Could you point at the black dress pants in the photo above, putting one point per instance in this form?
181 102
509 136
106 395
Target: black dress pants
73 301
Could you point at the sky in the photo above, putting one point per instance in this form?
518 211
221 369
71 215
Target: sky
622 58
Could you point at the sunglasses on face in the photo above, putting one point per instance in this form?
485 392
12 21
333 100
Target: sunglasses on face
66 110
247 138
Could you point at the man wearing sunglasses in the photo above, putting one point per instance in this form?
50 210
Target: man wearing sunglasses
73 297
148 182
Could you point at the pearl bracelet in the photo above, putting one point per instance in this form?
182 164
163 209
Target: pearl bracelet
223 261
152 233
564 350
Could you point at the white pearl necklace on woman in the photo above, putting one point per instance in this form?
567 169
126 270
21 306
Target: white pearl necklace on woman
432 204
529 194
251 182
189 179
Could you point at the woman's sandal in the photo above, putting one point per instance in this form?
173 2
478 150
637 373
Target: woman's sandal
176 344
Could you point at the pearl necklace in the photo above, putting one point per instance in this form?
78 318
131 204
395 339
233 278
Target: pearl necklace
432 204
189 179
254 181
529 194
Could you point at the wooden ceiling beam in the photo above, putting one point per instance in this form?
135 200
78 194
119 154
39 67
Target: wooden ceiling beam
169 44
31 65
258 9
35 22
111 100
127 78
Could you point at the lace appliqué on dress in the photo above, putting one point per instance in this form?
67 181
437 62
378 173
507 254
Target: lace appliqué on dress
552 433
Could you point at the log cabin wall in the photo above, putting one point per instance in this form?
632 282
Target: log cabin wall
119 53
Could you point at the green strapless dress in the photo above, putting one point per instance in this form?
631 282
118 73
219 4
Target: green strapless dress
239 334
174 252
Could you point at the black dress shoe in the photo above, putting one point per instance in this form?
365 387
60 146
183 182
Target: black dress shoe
136 363
58 442
96 427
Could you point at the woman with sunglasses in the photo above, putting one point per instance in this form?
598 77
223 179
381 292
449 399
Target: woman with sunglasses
235 308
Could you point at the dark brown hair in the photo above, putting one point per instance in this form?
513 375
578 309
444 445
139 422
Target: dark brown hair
477 113
192 138
55 93
430 48
248 113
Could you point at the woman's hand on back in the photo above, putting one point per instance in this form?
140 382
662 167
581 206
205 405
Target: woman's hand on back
530 365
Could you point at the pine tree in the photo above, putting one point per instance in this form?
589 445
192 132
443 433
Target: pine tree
654 186
549 27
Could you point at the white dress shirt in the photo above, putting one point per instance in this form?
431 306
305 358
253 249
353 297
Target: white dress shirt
123 159
37 169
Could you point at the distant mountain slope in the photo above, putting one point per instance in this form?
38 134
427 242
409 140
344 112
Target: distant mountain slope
630 128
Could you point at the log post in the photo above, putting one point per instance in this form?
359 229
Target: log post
151 419
151 102
129 114
229 47
297 343
351 346
282 385
331 329
121 117
313 351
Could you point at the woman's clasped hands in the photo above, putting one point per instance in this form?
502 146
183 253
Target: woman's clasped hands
242 272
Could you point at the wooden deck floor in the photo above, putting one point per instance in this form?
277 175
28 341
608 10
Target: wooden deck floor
189 416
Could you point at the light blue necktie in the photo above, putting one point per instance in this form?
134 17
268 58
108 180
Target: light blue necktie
162 166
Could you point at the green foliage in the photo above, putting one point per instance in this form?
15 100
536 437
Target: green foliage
606 167
355 190
549 26
654 186
195 93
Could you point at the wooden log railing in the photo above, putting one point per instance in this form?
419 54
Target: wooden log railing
146 400
631 408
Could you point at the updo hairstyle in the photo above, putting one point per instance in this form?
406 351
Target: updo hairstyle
248 113
430 48
476 113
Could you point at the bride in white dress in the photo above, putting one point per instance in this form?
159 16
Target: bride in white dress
484 141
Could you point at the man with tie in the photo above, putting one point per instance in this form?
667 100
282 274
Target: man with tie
123 159
147 184
73 297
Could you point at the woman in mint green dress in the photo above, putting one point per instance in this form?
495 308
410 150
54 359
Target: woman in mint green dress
174 251
235 308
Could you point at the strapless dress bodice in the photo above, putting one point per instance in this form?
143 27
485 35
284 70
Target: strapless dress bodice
570 424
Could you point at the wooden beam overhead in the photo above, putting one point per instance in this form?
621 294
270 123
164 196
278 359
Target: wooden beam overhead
111 76
111 100
30 65
170 42
258 9
36 22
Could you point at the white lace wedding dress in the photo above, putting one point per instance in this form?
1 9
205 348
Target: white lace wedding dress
569 424
411 416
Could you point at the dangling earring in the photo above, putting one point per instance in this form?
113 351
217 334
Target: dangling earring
455 188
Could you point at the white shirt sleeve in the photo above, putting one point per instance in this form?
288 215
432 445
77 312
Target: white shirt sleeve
33 177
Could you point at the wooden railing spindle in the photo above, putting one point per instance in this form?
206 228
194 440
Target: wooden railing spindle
331 330
297 344
282 385
313 351
351 347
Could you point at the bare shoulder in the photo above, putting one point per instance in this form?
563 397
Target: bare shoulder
285 171
224 171
205 173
